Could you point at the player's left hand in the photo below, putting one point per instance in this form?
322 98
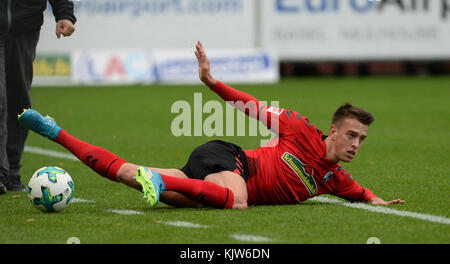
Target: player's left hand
379 201
64 27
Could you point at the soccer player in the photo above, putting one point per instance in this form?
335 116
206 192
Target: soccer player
302 163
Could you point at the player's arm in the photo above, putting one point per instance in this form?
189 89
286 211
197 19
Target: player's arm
281 121
365 195
242 101
227 93
352 191
370 197
377 200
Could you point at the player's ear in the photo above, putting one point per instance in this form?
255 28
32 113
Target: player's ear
333 132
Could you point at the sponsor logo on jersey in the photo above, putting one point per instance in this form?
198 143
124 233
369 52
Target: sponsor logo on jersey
299 168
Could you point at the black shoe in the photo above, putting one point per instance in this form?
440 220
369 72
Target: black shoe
15 185
2 188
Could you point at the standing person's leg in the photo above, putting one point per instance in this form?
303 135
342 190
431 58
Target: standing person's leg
20 54
4 164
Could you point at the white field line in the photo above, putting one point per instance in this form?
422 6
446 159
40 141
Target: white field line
384 210
51 153
124 212
250 238
240 237
184 224
79 200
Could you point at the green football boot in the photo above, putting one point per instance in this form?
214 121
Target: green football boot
152 184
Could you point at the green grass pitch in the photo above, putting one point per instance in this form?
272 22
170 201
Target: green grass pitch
406 155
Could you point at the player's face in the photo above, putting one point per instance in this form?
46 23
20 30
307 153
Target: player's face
349 136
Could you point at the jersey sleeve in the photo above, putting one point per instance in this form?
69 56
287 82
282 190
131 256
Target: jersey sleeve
279 120
242 101
290 122
351 190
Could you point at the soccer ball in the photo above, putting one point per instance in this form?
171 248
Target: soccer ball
50 189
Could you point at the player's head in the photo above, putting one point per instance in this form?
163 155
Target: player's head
348 130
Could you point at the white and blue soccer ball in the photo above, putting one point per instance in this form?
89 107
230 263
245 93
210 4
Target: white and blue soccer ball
50 189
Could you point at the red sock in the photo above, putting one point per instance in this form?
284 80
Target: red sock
98 159
204 192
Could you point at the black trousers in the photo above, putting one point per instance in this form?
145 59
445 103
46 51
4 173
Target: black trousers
17 53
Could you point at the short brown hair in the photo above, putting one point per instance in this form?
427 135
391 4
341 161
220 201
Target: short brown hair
349 110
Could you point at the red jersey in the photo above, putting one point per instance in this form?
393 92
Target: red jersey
295 168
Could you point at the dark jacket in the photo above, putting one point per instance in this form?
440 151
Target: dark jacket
22 16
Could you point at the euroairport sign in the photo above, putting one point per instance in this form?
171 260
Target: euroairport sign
357 29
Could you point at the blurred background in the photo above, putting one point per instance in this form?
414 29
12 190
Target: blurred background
248 41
